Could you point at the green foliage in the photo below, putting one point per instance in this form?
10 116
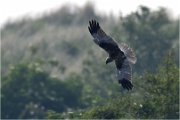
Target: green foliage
60 45
27 82
161 89
148 33
155 97
113 110
53 115
63 34
69 48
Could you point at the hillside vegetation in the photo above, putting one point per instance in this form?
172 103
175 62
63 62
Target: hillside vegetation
52 69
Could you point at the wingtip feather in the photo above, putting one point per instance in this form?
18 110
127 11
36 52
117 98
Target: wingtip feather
93 26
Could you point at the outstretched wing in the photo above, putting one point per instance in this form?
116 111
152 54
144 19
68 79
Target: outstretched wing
128 53
124 71
101 38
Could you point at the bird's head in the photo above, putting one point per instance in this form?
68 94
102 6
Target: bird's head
108 60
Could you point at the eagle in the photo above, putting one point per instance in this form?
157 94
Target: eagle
122 55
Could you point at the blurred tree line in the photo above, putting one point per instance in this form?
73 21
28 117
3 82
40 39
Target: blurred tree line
56 77
156 96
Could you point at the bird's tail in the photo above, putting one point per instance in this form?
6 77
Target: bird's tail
128 53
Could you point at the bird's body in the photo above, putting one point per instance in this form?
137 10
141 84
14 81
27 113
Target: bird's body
121 55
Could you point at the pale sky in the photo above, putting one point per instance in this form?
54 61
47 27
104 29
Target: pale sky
14 9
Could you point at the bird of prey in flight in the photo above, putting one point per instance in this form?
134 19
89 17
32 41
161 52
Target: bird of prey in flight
121 55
